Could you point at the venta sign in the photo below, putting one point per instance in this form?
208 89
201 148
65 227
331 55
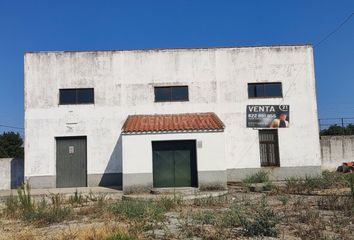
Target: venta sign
267 116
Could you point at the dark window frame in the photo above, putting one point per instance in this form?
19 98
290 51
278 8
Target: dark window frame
266 162
171 95
263 84
76 96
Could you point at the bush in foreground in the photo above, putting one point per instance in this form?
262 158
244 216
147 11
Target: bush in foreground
23 206
258 177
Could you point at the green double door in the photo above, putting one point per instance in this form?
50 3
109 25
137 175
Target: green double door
71 162
174 164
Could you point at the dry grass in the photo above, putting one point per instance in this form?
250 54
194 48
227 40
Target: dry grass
106 231
239 215
92 231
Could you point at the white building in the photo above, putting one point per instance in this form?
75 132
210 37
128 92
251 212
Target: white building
198 117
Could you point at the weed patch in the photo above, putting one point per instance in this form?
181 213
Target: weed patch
120 236
138 210
309 184
168 203
231 218
258 182
25 198
77 199
11 206
211 201
258 177
43 213
23 206
336 203
262 223
204 217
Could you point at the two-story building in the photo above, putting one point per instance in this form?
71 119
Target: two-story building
160 118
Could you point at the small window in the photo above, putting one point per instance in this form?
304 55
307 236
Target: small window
264 90
162 94
76 96
67 96
269 148
171 94
85 95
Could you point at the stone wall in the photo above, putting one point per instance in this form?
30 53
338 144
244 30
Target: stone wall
11 173
335 150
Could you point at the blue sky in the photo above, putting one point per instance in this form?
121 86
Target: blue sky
85 25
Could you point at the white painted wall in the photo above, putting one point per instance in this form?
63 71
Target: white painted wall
137 150
124 81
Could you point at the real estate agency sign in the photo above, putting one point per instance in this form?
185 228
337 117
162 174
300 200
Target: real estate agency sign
267 116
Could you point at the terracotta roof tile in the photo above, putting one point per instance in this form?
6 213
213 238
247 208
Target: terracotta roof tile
172 122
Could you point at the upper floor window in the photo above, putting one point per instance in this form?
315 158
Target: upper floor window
264 90
76 96
171 94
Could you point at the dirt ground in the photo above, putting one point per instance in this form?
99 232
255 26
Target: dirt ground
239 215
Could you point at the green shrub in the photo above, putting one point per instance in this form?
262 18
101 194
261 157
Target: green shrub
258 177
130 209
256 219
25 198
333 179
43 216
100 201
261 226
336 203
168 203
77 198
231 218
262 223
293 185
311 183
136 209
283 199
303 185
120 236
211 201
40 213
350 181
43 213
204 217
11 206
268 186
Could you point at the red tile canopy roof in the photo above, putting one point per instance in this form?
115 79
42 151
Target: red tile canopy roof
173 122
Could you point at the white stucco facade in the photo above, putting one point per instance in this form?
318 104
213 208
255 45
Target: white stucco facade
138 162
123 83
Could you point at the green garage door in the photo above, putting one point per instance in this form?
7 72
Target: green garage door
71 162
174 164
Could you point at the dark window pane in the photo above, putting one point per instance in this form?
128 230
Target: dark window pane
259 90
67 96
162 94
251 90
85 95
273 90
179 93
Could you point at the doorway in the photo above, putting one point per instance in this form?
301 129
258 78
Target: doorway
71 162
175 164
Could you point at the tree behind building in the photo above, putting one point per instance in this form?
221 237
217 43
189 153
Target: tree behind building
11 145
